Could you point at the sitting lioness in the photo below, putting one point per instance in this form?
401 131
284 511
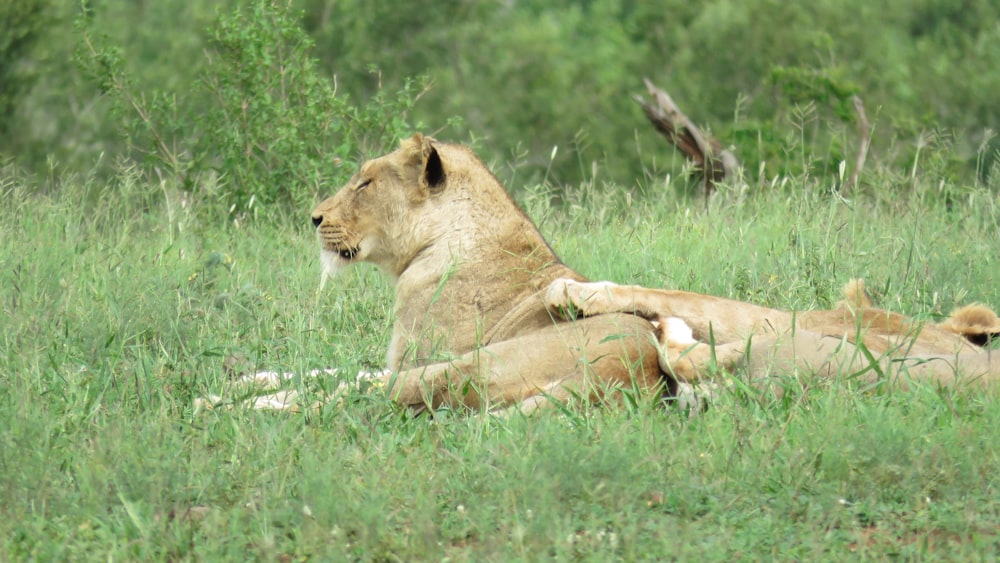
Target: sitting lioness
471 272
701 334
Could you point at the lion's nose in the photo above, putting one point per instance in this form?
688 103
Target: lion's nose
317 220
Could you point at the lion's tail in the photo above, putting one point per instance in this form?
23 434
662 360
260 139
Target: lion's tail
977 323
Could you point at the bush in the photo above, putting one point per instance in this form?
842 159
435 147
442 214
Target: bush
261 116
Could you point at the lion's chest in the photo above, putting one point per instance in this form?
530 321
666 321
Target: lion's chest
456 316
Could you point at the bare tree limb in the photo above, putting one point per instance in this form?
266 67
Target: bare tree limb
707 154
865 133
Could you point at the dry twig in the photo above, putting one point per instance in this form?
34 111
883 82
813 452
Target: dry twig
715 163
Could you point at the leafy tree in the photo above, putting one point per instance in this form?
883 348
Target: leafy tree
24 25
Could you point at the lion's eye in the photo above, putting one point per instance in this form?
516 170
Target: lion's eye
362 185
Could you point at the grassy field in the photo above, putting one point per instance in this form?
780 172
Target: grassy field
120 304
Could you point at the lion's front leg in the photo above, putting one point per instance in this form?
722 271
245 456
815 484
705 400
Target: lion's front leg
269 390
582 359
680 354
494 376
572 298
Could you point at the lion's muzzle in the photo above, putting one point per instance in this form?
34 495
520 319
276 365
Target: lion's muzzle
335 238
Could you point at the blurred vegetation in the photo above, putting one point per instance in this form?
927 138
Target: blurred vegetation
264 100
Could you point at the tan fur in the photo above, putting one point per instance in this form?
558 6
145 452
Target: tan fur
855 296
728 334
470 273
975 322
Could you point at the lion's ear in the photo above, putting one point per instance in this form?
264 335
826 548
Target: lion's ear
977 323
413 148
433 176
419 151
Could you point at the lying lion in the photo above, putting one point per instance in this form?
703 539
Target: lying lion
471 272
701 334
480 296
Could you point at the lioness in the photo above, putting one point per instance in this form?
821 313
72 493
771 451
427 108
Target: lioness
471 271
700 334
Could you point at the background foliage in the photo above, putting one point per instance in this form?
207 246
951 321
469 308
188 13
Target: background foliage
515 78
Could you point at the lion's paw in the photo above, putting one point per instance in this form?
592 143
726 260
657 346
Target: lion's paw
374 380
572 298
676 331
683 357
695 399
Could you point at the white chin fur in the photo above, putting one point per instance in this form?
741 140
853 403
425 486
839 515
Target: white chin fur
332 264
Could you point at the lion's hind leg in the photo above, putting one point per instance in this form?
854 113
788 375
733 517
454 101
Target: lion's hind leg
759 359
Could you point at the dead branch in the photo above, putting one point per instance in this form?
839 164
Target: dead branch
865 134
696 146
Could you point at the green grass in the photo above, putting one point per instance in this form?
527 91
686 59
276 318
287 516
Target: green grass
118 313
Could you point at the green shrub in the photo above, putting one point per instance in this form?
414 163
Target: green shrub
262 117
279 126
